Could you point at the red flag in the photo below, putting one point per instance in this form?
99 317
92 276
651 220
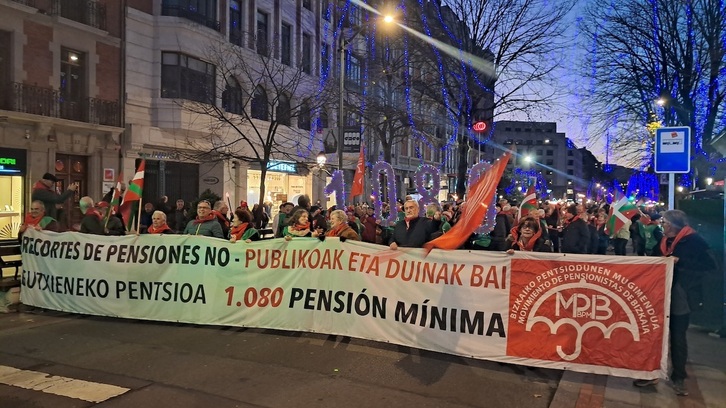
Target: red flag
475 208
357 188
529 204
132 198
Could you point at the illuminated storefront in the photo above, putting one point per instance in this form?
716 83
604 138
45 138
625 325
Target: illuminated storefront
13 163
283 183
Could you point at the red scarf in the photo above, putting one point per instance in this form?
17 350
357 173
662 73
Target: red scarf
221 218
335 232
40 186
668 250
209 217
530 244
29 220
408 219
238 230
300 227
160 230
573 219
93 211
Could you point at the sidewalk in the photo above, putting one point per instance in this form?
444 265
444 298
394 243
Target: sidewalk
706 383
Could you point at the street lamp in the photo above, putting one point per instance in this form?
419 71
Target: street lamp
341 109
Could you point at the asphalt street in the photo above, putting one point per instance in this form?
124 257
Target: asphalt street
152 364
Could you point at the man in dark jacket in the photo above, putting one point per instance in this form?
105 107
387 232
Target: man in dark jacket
413 231
575 234
692 261
502 227
44 190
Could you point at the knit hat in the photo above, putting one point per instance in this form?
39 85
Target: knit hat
51 177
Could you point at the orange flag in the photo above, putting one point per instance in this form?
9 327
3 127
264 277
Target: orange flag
360 169
475 208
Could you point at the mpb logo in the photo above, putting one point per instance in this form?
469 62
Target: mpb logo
596 307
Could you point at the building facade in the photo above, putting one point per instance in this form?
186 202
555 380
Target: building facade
540 147
180 88
60 95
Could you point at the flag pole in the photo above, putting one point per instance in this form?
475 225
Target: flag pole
138 220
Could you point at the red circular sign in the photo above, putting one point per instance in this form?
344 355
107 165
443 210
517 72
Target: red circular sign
479 126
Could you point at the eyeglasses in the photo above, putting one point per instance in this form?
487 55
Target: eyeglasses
530 226
203 207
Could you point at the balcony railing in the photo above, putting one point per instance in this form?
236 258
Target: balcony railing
190 13
49 102
87 12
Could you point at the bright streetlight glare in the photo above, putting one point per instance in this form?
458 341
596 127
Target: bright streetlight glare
388 19
660 101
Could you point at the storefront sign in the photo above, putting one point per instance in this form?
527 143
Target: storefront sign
13 162
211 180
282 166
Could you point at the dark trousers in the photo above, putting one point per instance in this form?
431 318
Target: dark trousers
679 346
619 245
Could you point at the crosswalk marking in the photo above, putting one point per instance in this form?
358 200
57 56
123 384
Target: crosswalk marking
57 385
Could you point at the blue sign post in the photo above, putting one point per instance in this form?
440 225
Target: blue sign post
673 150
672 155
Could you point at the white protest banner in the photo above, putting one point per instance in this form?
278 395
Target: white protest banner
600 314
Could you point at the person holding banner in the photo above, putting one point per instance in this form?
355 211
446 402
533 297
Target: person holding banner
206 222
339 227
37 219
158 224
242 228
527 236
690 252
413 231
298 226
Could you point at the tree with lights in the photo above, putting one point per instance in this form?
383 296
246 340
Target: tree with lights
513 44
655 61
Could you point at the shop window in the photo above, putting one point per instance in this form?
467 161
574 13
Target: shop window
186 77
232 97
72 85
260 105
11 206
171 179
286 44
283 110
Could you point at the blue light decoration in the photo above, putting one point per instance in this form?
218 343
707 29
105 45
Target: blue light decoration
428 195
522 178
475 173
385 169
644 185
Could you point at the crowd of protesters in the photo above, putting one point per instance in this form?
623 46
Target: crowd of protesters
553 227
